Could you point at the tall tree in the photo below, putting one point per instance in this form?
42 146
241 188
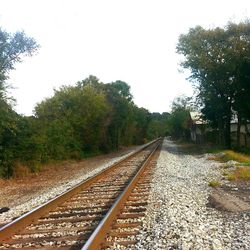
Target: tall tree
214 57
178 121
120 99
13 47
75 119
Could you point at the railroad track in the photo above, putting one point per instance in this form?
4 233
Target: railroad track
100 213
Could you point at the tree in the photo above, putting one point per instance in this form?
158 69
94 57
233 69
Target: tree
215 57
13 47
123 89
157 126
142 119
121 120
75 120
8 129
177 123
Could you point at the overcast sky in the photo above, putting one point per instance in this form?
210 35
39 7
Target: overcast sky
130 40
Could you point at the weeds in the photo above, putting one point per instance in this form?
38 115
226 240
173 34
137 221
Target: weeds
20 170
242 173
244 164
214 183
231 177
231 155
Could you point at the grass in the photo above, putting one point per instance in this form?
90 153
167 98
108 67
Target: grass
241 173
246 164
228 155
232 155
242 170
231 177
214 183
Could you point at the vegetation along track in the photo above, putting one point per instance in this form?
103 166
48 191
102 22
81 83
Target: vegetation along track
103 211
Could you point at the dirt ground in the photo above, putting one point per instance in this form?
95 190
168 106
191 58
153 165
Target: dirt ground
231 197
14 192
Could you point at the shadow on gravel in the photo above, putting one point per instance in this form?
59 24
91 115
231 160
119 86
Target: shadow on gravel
183 149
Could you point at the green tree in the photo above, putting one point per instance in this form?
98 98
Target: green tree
157 126
8 129
13 47
215 58
142 119
178 121
75 119
122 123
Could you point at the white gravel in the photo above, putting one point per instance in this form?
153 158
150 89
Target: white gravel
177 216
57 190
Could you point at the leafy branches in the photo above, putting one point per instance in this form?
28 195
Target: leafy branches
12 48
217 59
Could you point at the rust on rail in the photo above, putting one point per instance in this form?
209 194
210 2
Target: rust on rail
97 239
83 206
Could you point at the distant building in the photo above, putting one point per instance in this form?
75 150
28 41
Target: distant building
199 129
244 132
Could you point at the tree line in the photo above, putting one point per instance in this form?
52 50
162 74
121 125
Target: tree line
86 119
219 64
93 117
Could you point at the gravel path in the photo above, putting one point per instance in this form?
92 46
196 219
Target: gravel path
177 215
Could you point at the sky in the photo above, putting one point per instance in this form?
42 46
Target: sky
129 40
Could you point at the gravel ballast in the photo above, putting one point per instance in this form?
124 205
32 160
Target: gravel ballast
178 217
36 200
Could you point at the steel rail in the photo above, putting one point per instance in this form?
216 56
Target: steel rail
23 221
98 236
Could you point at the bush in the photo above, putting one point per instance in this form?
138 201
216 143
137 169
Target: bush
6 164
